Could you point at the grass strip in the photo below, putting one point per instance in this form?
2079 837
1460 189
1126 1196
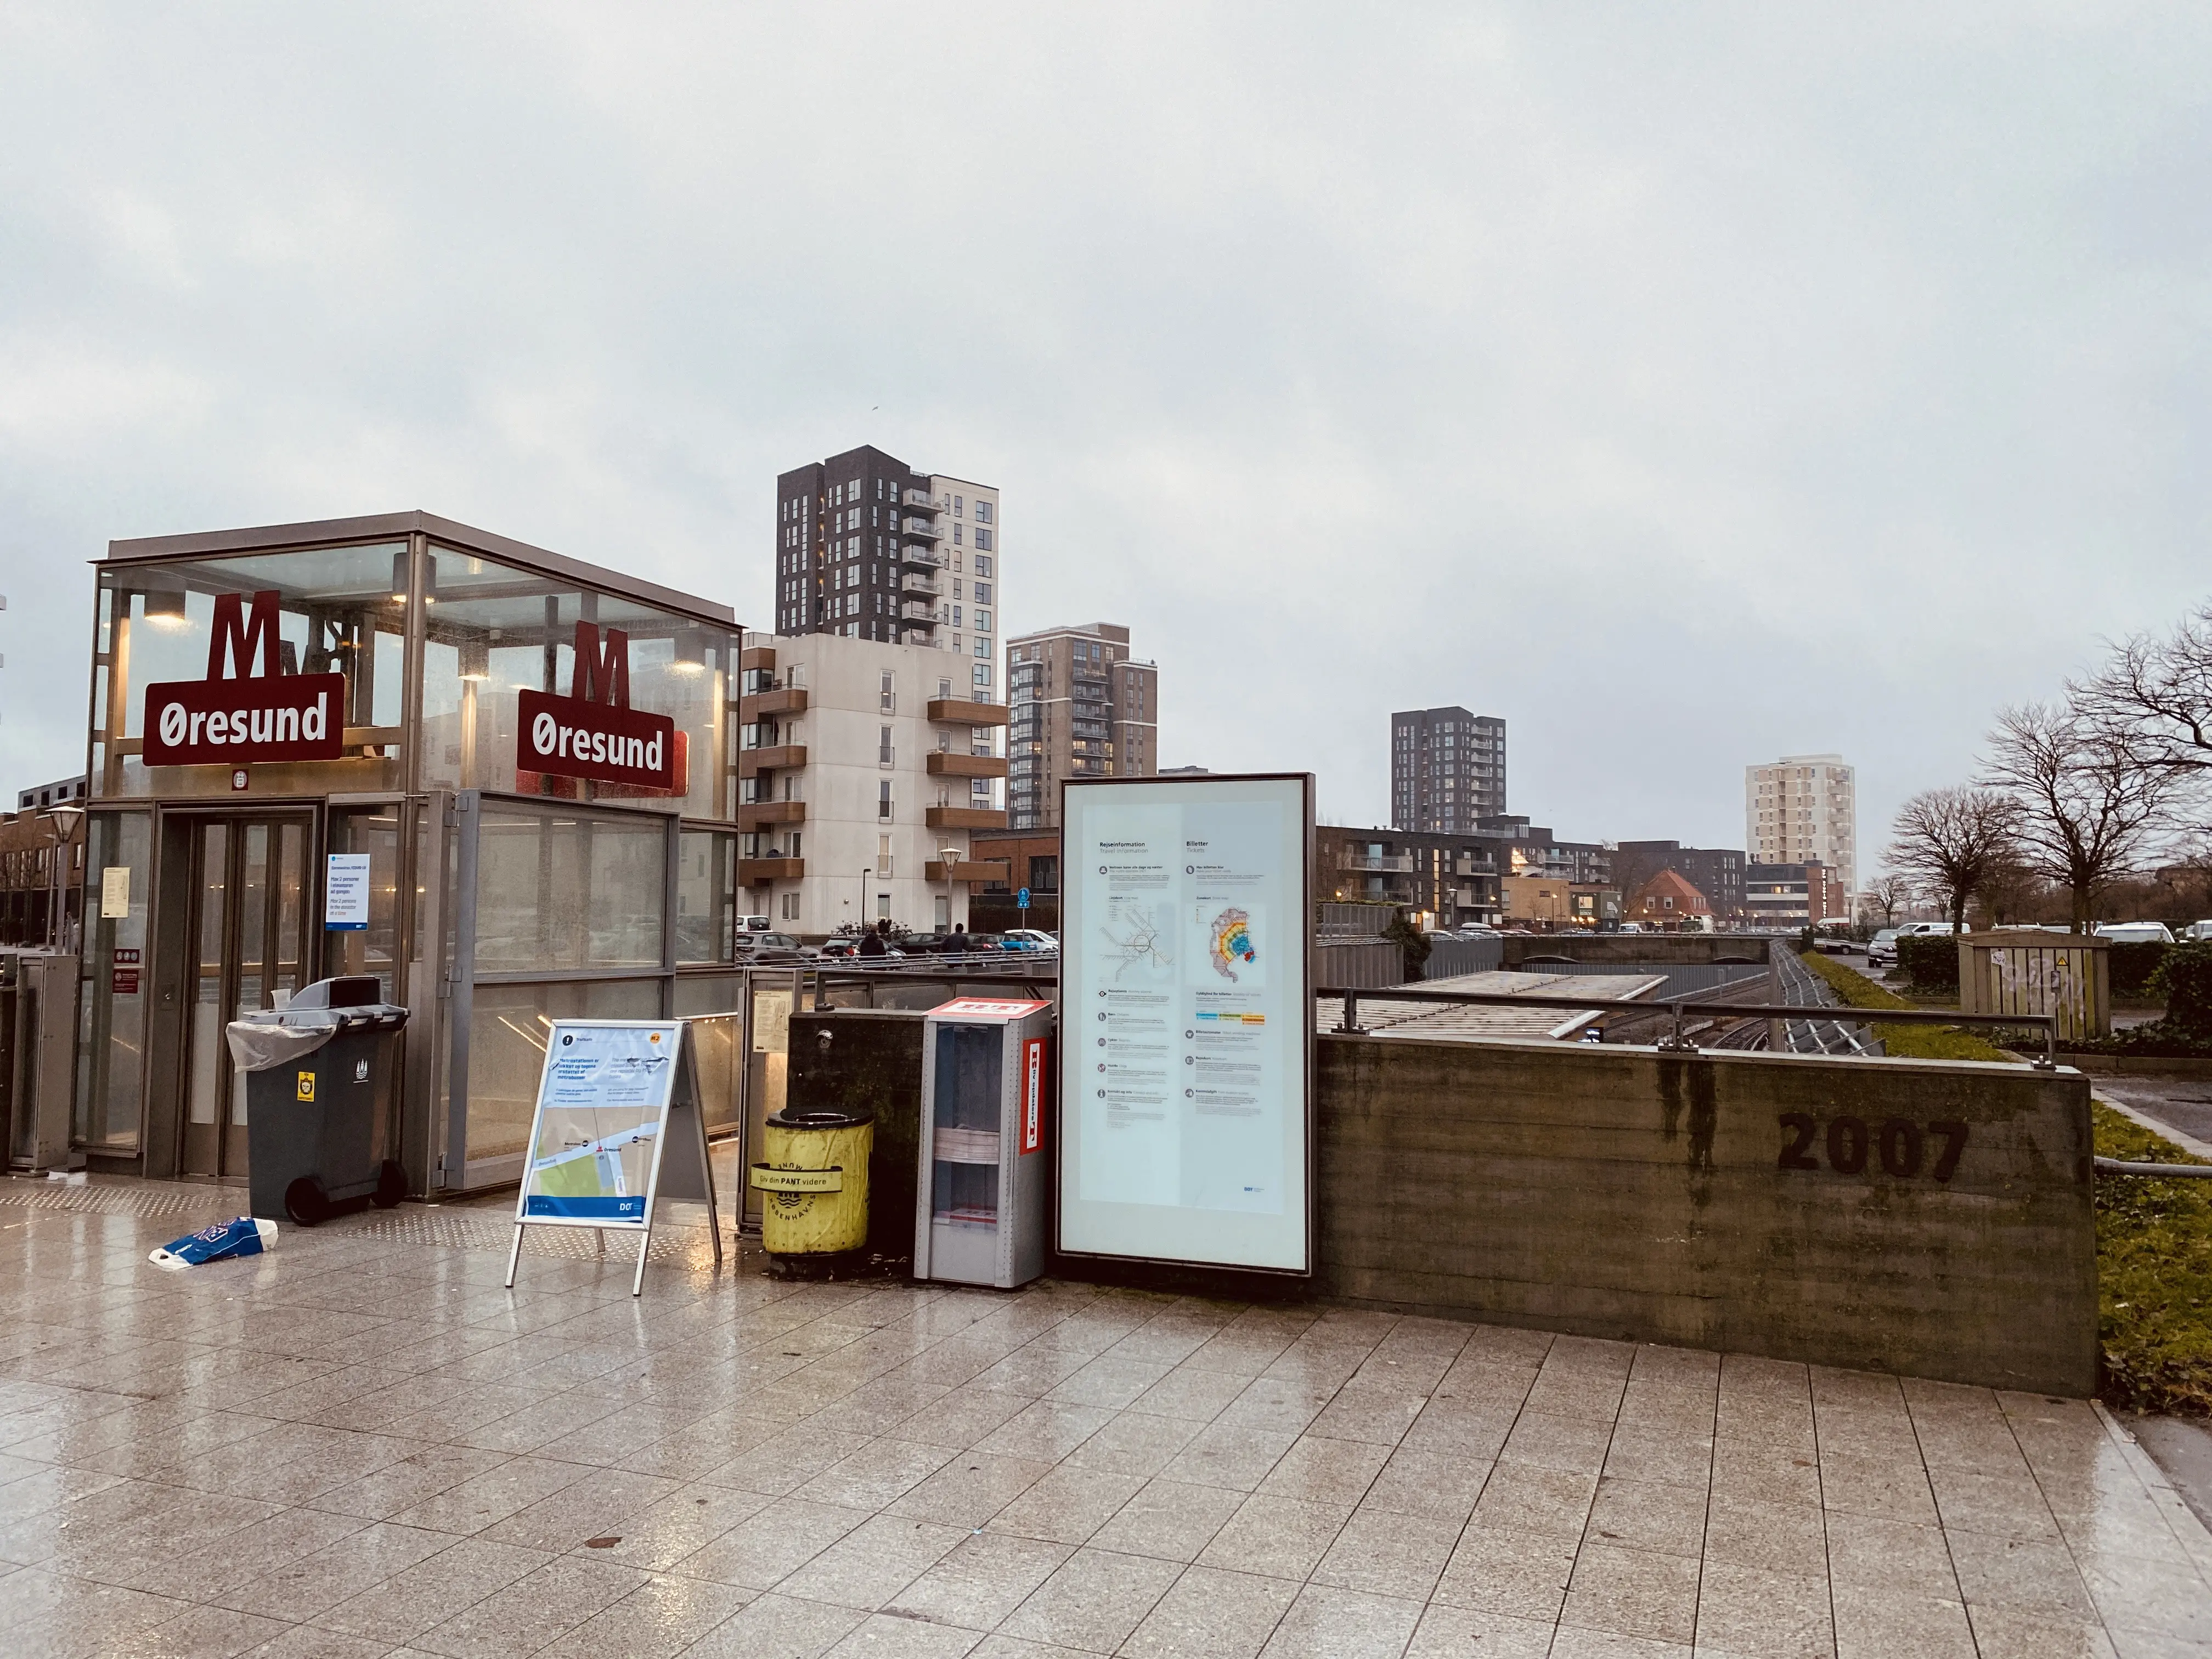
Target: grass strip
2154 1276
1905 1041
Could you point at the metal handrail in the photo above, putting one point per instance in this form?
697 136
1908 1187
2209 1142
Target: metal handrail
1675 1007
2123 1167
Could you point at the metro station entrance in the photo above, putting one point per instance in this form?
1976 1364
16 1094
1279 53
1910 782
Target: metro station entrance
250 949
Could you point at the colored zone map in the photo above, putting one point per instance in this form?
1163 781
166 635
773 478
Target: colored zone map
1232 943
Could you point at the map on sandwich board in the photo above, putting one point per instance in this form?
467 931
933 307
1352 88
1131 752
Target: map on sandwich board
618 1124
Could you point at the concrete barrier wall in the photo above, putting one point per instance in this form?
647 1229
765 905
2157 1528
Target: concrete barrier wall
1637 947
1719 1201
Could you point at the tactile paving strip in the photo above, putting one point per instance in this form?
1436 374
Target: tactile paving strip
456 1227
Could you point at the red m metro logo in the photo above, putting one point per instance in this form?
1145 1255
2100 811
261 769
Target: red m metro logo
263 714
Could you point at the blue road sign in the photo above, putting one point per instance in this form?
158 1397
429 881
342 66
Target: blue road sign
1022 899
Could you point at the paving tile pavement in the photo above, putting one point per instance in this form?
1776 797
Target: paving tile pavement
362 1445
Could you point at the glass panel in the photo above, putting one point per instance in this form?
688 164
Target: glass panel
497 629
506 1049
338 613
768 1074
209 1059
568 890
374 949
964 1176
706 896
112 1030
255 915
714 1039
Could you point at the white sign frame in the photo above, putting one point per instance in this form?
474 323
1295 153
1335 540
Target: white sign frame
689 1176
1280 1243
345 892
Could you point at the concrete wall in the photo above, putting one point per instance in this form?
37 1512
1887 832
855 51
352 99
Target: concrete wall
1624 1192
1634 947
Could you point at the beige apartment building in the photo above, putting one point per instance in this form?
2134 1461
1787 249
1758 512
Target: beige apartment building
862 767
1080 707
1802 809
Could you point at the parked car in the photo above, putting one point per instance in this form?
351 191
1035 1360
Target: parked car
1881 949
772 949
1030 938
1478 930
2198 930
2135 933
754 925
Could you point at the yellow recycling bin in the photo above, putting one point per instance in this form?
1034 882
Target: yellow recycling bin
814 1182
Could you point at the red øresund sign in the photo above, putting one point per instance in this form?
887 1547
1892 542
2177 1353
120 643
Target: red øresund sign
594 732
264 714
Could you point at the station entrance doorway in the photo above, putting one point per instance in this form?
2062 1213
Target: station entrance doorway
250 948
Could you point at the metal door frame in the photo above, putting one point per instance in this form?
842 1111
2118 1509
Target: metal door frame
197 819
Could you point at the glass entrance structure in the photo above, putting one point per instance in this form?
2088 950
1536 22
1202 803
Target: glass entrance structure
416 693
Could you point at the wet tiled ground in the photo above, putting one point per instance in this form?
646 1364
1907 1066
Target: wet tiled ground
361 1446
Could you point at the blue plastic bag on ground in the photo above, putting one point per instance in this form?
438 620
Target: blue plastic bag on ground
245 1237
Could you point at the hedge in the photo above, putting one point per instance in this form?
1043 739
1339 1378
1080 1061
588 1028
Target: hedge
1931 960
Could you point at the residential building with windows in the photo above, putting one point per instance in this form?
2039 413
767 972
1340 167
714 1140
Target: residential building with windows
1670 903
1715 873
1785 897
862 769
1447 769
1441 881
1549 904
1801 809
1081 707
1523 848
869 549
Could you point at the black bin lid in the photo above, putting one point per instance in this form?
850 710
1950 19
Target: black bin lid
819 1117
346 991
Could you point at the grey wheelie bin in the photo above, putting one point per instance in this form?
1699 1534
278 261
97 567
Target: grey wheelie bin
319 1079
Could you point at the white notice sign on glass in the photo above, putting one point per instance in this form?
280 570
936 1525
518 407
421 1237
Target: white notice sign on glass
1188 1013
345 893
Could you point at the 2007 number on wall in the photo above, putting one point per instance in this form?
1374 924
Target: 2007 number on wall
1898 1147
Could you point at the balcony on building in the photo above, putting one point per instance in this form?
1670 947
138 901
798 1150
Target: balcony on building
917 611
921 529
784 700
759 872
922 556
1382 863
916 500
921 582
943 764
752 763
762 815
960 711
964 818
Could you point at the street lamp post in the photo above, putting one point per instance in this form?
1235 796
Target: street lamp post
864 924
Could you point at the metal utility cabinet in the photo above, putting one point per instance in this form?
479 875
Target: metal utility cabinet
983 1176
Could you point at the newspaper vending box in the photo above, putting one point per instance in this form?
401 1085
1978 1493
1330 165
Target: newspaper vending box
980 1212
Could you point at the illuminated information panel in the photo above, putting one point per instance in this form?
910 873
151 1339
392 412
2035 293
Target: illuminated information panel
1186 1020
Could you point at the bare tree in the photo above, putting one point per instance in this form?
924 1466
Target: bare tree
1890 892
2089 798
1950 841
2159 691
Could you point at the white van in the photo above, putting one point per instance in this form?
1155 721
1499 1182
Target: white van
2198 930
2135 933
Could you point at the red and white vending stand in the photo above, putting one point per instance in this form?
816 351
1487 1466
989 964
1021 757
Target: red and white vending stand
985 1177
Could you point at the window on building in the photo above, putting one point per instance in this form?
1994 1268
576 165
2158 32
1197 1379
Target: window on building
956 507
890 703
982 512
983 676
982 566
982 538
883 747
983 621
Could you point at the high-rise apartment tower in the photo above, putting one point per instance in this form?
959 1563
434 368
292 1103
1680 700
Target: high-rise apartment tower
1447 769
1802 808
869 548
1080 707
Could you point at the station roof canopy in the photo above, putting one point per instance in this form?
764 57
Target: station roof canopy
385 526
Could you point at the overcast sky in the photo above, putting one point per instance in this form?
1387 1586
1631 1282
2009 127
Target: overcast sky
1686 385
